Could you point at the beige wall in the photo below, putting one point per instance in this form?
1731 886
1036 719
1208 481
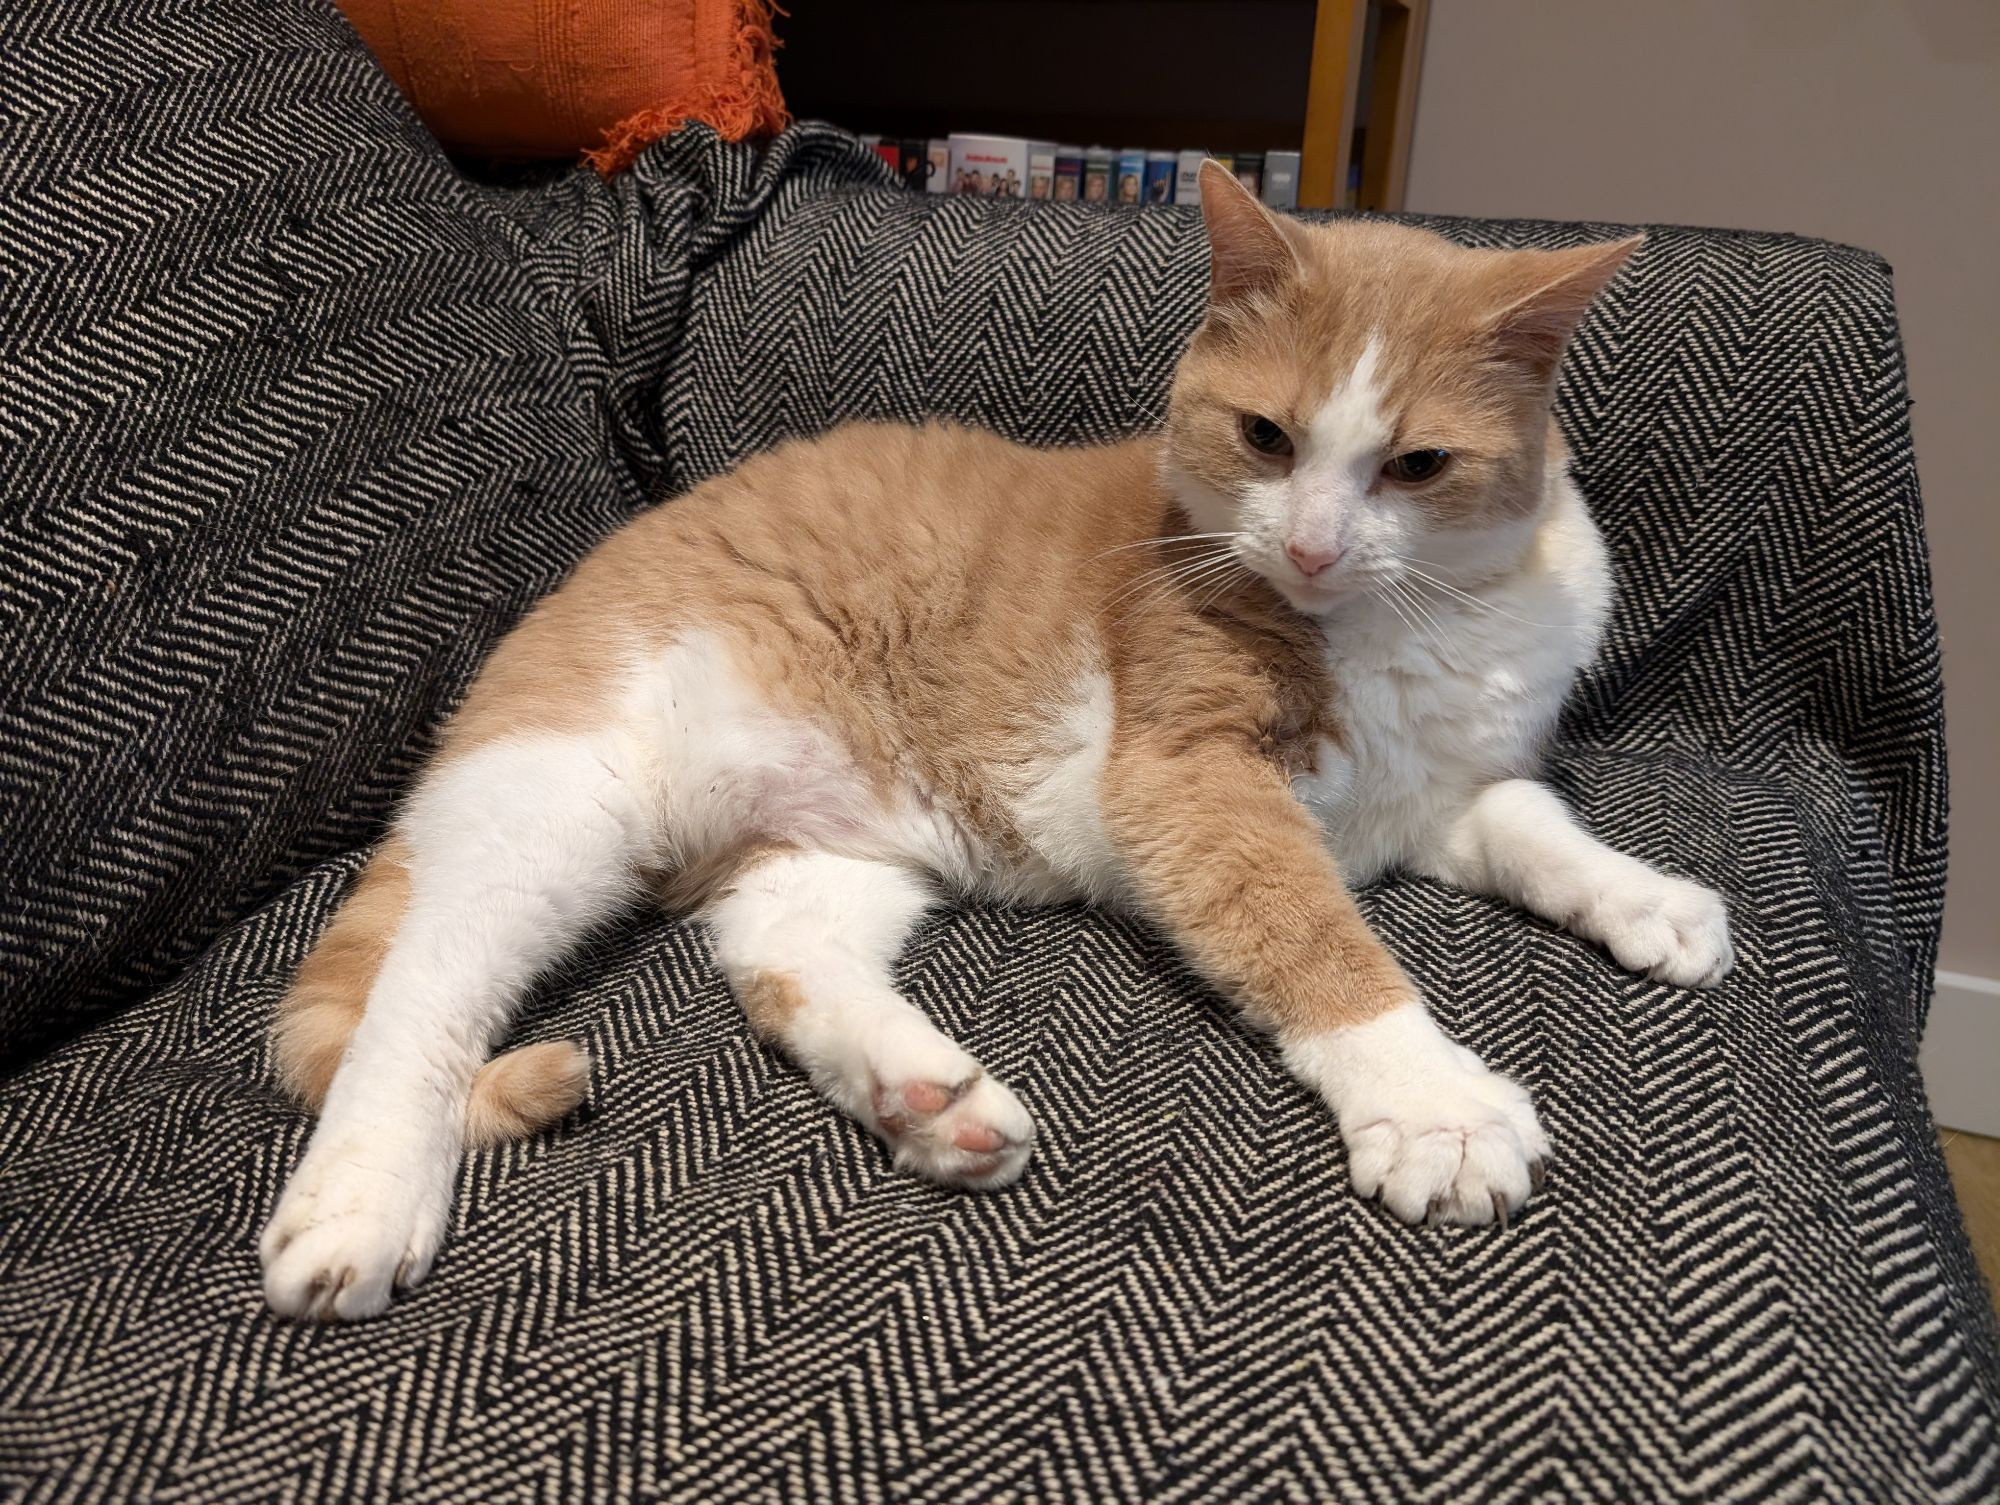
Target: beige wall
1875 122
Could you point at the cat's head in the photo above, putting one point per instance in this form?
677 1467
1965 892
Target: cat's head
1367 397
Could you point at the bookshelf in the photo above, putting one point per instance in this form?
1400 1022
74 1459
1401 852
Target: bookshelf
1333 79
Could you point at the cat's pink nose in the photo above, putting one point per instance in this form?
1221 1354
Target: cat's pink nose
1312 561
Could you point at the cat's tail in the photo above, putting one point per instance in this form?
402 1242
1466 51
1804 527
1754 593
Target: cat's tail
514 1094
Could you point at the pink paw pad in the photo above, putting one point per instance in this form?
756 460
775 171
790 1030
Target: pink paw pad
979 1139
973 1133
926 1097
897 1112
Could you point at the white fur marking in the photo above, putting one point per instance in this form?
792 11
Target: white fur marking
1337 463
1427 1126
1057 808
514 852
1431 715
727 768
1351 426
1516 841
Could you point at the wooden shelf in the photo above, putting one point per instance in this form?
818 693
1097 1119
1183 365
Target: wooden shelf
1367 55
1252 75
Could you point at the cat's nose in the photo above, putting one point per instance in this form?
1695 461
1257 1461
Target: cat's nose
1312 561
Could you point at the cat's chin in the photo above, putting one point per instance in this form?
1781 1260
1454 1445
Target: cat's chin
1315 600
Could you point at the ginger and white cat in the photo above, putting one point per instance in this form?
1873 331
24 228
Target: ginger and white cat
1318 628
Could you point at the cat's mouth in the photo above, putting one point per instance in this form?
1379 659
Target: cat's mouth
1314 595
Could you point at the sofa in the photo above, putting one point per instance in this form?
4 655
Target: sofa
297 416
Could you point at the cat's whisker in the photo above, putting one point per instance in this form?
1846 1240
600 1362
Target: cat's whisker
1190 580
1172 565
1204 555
1389 601
1228 579
1422 609
1212 593
1168 541
1167 573
1471 600
1197 578
1428 564
1427 629
1412 573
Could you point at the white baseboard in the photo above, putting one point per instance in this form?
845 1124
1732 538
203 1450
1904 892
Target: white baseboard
1961 1053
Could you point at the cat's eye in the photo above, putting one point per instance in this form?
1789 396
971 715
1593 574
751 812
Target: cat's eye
1264 436
1417 466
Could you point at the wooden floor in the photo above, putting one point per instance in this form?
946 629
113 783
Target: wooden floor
1975 1172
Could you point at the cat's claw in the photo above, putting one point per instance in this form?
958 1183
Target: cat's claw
348 1233
1432 1133
1470 1170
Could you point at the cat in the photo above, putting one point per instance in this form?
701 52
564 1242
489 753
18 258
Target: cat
1317 628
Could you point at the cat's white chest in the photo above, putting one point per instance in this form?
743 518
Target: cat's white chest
1430 715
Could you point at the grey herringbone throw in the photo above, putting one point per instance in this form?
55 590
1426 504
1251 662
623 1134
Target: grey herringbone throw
295 419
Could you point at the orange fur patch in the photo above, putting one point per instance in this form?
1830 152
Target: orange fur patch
769 1000
525 1090
326 999
514 1094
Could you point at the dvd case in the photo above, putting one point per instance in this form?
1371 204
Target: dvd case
1281 180
1098 166
1132 175
996 166
1160 169
937 175
1069 172
1250 172
1041 170
1187 177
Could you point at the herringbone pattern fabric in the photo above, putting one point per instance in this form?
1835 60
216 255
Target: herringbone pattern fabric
296 420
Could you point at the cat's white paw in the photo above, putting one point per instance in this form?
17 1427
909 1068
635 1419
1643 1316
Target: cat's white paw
972 1133
1430 1130
928 1099
1664 928
352 1227
1468 1149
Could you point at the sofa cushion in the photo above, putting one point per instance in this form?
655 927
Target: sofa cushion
1744 1278
291 434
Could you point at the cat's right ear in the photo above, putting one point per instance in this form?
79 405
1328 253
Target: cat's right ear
1249 252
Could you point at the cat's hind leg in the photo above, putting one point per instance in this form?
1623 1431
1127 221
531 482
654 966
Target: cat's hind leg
506 855
517 1093
807 941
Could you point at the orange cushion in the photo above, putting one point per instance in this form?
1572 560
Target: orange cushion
545 78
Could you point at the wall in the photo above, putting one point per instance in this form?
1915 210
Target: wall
1875 122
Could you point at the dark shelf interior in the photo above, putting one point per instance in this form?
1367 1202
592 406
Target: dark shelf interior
1117 73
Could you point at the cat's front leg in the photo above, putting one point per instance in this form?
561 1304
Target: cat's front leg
1225 859
1516 841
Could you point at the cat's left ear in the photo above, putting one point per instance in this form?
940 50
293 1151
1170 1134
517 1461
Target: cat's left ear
1539 297
1248 250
